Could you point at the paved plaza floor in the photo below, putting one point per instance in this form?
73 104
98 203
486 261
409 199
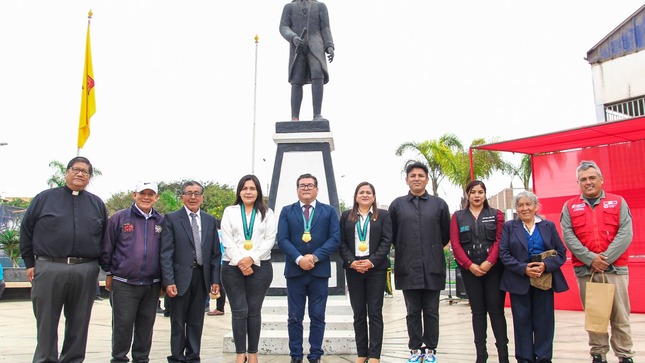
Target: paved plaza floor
17 335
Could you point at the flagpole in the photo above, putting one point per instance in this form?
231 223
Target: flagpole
255 87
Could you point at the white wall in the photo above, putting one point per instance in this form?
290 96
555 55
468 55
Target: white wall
618 79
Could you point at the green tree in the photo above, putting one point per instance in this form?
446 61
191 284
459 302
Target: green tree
17 202
168 202
217 197
10 244
119 201
447 158
485 163
522 171
435 154
58 178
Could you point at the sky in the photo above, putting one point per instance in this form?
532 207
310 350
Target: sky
175 85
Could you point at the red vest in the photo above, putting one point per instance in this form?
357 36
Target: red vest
596 228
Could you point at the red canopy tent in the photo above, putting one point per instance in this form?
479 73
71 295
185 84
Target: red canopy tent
619 149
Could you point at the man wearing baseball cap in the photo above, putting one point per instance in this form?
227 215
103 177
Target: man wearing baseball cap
130 259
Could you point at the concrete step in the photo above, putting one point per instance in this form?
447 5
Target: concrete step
277 305
276 342
332 322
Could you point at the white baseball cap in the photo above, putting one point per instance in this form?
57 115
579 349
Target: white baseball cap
141 186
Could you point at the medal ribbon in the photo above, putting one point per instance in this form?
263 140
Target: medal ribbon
307 223
362 234
248 227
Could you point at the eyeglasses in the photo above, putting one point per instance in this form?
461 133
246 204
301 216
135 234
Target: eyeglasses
306 186
79 170
193 194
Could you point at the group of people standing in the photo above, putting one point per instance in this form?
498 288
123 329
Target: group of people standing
66 230
496 257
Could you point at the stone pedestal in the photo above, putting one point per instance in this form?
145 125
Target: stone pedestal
303 147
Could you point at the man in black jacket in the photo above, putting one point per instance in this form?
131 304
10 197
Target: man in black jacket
420 230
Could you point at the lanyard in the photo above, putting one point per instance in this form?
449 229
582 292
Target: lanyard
307 223
362 233
248 227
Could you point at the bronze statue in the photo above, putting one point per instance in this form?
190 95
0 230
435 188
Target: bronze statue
305 25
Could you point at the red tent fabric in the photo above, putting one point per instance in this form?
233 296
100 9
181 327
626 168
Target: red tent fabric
598 134
619 149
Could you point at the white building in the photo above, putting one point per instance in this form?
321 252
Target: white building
618 70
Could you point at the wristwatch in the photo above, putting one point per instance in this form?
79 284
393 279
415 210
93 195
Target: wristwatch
316 259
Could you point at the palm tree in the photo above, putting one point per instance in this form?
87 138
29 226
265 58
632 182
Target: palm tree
447 158
10 244
58 178
436 154
485 163
522 171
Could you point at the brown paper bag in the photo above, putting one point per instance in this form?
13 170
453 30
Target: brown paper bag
599 299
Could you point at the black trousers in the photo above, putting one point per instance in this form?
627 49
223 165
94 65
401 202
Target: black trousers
134 309
58 287
486 298
187 321
422 303
366 298
246 295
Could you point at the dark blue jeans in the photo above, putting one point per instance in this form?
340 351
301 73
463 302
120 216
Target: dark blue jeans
245 297
299 290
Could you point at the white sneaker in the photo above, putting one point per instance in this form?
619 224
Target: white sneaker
429 357
416 356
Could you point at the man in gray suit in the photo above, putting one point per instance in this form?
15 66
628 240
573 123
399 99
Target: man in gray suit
305 25
189 271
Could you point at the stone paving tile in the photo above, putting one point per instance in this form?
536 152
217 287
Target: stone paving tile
17 335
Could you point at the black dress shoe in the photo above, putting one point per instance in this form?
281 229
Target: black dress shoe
317 360
296 360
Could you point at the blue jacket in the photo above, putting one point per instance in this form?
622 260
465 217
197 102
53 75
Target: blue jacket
131 247
325 238
514 254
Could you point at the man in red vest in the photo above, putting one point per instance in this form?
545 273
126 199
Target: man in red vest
597 228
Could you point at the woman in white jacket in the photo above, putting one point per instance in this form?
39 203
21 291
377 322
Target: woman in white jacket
248 234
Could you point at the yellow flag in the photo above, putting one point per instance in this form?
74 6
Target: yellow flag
88 100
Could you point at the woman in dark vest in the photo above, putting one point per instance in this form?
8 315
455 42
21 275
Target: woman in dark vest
474 234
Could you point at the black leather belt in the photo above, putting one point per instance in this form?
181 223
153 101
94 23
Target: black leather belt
66 260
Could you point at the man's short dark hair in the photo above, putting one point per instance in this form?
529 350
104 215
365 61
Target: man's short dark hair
414 165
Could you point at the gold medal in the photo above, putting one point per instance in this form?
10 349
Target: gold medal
248 244
306 237
362 246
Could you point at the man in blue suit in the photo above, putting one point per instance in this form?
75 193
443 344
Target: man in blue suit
308 233
190 264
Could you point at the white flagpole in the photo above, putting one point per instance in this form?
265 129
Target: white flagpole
255 87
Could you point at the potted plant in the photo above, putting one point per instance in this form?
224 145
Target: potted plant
10 244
